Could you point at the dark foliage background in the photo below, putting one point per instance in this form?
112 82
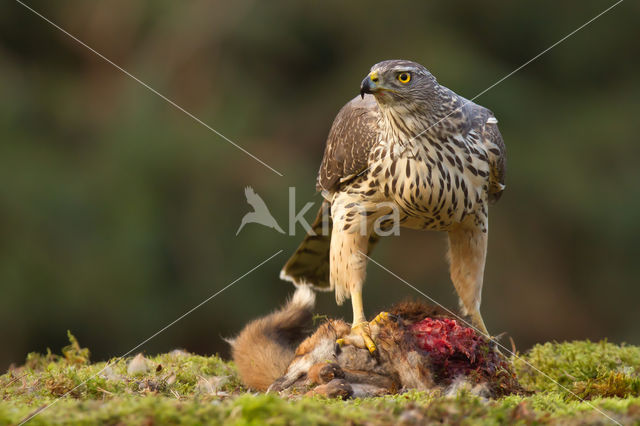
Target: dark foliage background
118 212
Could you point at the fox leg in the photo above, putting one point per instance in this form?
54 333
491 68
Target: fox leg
467 255
324 372
336 388
332 381
377 383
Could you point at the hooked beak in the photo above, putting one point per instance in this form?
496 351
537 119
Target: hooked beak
369 84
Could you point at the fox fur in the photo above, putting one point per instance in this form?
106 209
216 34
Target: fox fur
266 346
282 353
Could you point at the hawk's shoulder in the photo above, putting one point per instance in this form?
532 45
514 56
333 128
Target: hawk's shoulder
483 121
496 150
353 133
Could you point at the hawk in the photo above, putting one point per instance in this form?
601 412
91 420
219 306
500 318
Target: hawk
411 146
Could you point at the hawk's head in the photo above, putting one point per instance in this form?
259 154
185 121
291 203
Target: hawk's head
399 82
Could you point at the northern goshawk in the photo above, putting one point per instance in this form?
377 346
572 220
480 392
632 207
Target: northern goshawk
415 148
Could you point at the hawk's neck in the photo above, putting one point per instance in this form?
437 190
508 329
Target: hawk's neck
409 121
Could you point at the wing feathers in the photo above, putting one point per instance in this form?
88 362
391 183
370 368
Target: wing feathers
353 133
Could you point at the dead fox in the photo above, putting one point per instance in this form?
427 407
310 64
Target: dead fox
419 347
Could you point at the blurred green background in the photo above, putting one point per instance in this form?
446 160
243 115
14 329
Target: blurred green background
118 212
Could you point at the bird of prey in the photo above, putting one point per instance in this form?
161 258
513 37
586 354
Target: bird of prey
413 146
260 213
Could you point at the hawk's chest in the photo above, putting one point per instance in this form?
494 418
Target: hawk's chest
435 180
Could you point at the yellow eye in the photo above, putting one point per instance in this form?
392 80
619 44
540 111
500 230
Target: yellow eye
404 77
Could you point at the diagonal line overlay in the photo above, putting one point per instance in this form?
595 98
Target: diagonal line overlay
151 89
508 75
468 324
115 360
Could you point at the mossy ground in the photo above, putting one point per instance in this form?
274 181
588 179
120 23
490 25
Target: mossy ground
181 388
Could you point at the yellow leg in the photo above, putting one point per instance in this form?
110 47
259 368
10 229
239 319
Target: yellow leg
356 304
467 255
360 326
360 330
476 318
349 240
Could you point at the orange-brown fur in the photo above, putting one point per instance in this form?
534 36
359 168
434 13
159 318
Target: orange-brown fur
266 346
270 355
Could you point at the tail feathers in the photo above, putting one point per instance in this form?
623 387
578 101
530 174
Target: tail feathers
309 265
265 347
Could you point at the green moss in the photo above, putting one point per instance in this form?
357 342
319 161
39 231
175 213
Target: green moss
182 388
582 369
73 353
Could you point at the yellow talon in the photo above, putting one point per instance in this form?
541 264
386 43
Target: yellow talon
381 317
340 342
362 330
370 345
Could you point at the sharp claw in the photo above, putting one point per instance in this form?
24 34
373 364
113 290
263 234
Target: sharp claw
340 342
370 345
382 316
362 330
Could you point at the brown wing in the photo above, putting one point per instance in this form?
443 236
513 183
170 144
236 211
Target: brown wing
483 118
352 135
498 161
492 140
